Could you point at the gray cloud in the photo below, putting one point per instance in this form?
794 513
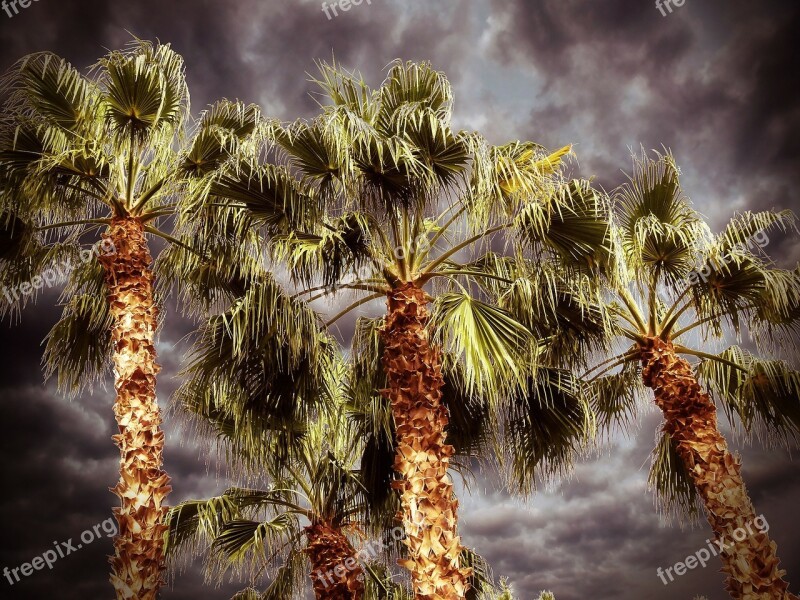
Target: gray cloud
715 81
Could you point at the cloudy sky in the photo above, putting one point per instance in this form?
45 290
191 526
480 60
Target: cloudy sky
716 81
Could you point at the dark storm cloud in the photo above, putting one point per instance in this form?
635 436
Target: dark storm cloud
599 535
716 81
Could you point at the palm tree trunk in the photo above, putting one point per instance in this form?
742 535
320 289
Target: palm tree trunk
335 571
429 508
751 563
139 547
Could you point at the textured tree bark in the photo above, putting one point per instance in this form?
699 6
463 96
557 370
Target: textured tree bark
429 509
138 561
336 573
751 563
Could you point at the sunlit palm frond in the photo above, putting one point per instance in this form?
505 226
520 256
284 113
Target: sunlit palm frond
495 348
764 395
222 128
661 233
145 89
243 544
48 90
418 85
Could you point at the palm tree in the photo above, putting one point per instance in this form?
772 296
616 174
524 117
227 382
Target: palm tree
378 196
668 277
301 527
264 379
108 151
298 529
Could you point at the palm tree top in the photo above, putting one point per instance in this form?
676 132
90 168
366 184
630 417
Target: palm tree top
669 278
79 151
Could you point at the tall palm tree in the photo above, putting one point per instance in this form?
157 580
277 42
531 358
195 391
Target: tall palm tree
669 281
263 379
378 196
106 152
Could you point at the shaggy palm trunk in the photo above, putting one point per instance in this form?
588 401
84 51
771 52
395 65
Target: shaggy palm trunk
139 547
749 557
429 509
336 573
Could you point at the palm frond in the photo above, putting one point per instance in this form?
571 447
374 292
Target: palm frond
672 482
661 233
47 88
615 398
495 348
78 348
145 89
547 427
764 395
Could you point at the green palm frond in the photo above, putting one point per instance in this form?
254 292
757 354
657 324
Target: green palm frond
347 90
495 348
567 310
145 89
671 481
78 348
241 540
660 232
573 222
218 269
221 130
45 86
319 150
418 85
29 267
775 317
615 398
270 194
259 367
751 230
341 249
740 286
508 179
288 578
471 429
194 524
764 395
547 428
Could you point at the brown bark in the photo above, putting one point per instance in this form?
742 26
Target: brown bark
751 564
138 561
429 509
335 571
